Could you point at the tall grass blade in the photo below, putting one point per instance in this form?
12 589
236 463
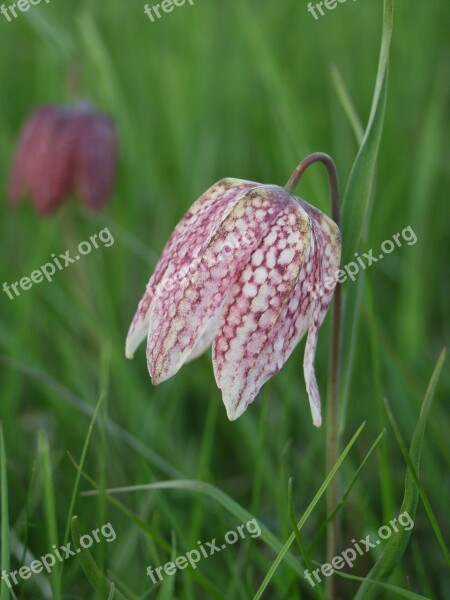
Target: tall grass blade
424 496
303 552
396 545
78 475
387 586
345 495
359 186
219 496
347 104
123 509
98 581
306 514
50 509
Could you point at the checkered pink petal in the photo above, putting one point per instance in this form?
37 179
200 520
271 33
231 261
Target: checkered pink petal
328 256
181 315
190 235
246 348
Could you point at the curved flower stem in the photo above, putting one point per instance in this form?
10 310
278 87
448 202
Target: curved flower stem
333 374
332 177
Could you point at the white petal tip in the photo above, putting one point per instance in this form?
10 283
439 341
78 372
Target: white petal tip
135 336
231 413
234 412
317 421
130 346
158 377
155 381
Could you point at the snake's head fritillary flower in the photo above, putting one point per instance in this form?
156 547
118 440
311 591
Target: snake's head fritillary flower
249 269
62 149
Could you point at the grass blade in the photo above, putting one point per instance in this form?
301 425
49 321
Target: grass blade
303 553
360 183
78 475
347 104
306 514
387 586
139 522
395 547
218 495
345 495
50 509
414 473
93 574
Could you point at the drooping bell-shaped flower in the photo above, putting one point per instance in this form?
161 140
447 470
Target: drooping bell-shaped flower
62 149
249 269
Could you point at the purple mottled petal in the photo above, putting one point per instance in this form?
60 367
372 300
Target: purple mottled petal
42 163
192 233
31 135
96 156
51 174
182 314
248 346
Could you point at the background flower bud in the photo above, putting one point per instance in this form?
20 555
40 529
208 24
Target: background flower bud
62 149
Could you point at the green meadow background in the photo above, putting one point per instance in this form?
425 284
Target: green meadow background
242 88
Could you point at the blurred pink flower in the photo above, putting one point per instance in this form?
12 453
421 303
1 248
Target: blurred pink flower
250 268
61 149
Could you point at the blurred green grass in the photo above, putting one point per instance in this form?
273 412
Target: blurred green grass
239 89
